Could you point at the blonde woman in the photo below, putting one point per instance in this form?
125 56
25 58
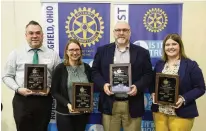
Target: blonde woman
71 70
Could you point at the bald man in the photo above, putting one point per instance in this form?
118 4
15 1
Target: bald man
122 109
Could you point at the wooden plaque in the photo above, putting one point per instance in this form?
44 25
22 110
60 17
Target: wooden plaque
35 77
166 89
82 97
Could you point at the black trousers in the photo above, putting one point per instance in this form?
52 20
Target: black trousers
32 113
71 122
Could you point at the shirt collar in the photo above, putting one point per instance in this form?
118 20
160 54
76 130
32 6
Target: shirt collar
28 48
126 48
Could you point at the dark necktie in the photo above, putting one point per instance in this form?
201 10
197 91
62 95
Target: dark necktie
35 57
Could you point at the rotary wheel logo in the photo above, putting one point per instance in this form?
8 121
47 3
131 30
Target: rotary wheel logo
85 25
155 20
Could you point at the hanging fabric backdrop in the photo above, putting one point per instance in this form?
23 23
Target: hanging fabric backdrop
90 24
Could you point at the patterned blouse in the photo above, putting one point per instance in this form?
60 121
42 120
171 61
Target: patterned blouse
168 109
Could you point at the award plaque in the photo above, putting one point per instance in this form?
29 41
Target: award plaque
120 77
166 89
35 77
82 97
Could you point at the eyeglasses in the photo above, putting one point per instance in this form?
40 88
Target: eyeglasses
74 50
124 30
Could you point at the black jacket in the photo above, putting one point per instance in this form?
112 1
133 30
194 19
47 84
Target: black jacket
141 72
59 86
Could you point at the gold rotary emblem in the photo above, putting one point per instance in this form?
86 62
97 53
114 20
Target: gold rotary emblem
165 81
82 89
85 25
155 20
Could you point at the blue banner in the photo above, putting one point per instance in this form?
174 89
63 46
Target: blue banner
150 23
90 24
86 23
154 22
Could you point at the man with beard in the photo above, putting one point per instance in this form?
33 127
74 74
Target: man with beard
31 110
122 109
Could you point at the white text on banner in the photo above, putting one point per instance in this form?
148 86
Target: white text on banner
121 13
51 26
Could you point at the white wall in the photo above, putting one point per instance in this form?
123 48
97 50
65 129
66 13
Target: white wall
194 38
17 13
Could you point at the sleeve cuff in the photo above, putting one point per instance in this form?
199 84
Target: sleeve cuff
16 90
183 99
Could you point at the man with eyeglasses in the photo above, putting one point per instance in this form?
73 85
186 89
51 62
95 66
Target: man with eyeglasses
122 109
32 110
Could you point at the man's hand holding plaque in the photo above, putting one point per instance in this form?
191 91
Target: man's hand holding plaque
107 90
27 92
133 91
24 91
43 93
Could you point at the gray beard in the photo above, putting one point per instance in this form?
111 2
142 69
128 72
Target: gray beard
125 43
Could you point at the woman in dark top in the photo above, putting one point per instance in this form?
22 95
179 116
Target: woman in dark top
71 70
175 62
